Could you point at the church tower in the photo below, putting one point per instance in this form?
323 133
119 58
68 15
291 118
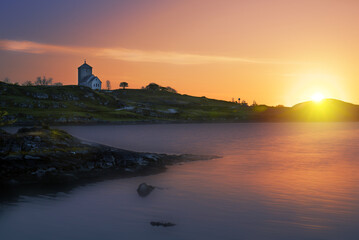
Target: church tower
84 71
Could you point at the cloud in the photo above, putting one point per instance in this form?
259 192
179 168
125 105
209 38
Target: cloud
130 55
33 47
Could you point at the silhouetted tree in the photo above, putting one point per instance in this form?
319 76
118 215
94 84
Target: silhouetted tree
43 81
108 85
38 81
153 87
172 90
244 103
254 103
156 87
27 83
124 85
58 84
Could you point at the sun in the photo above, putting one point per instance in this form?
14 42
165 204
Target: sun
317 97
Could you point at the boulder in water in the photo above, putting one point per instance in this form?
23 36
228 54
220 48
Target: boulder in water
163 224
144 189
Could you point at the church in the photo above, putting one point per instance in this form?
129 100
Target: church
86 78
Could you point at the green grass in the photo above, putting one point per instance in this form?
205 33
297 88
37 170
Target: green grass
75 104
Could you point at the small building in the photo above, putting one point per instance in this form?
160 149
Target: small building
86 78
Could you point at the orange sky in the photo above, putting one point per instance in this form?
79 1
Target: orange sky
274 52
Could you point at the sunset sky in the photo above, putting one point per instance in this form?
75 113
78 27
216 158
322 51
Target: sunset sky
271 51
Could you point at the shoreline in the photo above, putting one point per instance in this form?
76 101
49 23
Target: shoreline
52 156
119 123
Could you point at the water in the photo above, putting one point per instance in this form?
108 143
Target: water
275 181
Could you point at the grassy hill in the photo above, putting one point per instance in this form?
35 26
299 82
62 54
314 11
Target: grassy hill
77 104
325 110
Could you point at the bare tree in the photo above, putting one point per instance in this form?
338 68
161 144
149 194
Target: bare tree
38 81
124 85
244 103
48 81
43 81
108 85
27 83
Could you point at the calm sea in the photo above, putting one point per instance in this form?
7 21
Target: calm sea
274 181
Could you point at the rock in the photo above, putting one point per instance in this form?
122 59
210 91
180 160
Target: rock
163 224
144 189
61 119
37 139
48 155
72 97
170 111
57 97
29 157
40 95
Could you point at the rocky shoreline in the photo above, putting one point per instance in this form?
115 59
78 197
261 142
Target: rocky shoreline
50 156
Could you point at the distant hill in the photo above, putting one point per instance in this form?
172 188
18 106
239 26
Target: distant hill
325 110
81 105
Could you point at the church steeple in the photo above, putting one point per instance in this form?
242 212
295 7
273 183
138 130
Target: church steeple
84 70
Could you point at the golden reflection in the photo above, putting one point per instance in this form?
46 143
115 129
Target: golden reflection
304 180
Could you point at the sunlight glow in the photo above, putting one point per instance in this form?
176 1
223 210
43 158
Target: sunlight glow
317 97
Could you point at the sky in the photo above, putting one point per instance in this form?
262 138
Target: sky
271 51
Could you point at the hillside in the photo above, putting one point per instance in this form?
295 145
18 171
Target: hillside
79 105
325 110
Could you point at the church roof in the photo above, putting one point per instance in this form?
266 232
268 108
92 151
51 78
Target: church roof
85 65
89 79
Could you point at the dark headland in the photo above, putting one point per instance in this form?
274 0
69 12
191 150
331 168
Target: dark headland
51 156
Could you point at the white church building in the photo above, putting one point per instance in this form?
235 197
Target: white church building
86 78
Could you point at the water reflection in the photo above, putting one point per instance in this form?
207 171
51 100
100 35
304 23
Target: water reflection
275 181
